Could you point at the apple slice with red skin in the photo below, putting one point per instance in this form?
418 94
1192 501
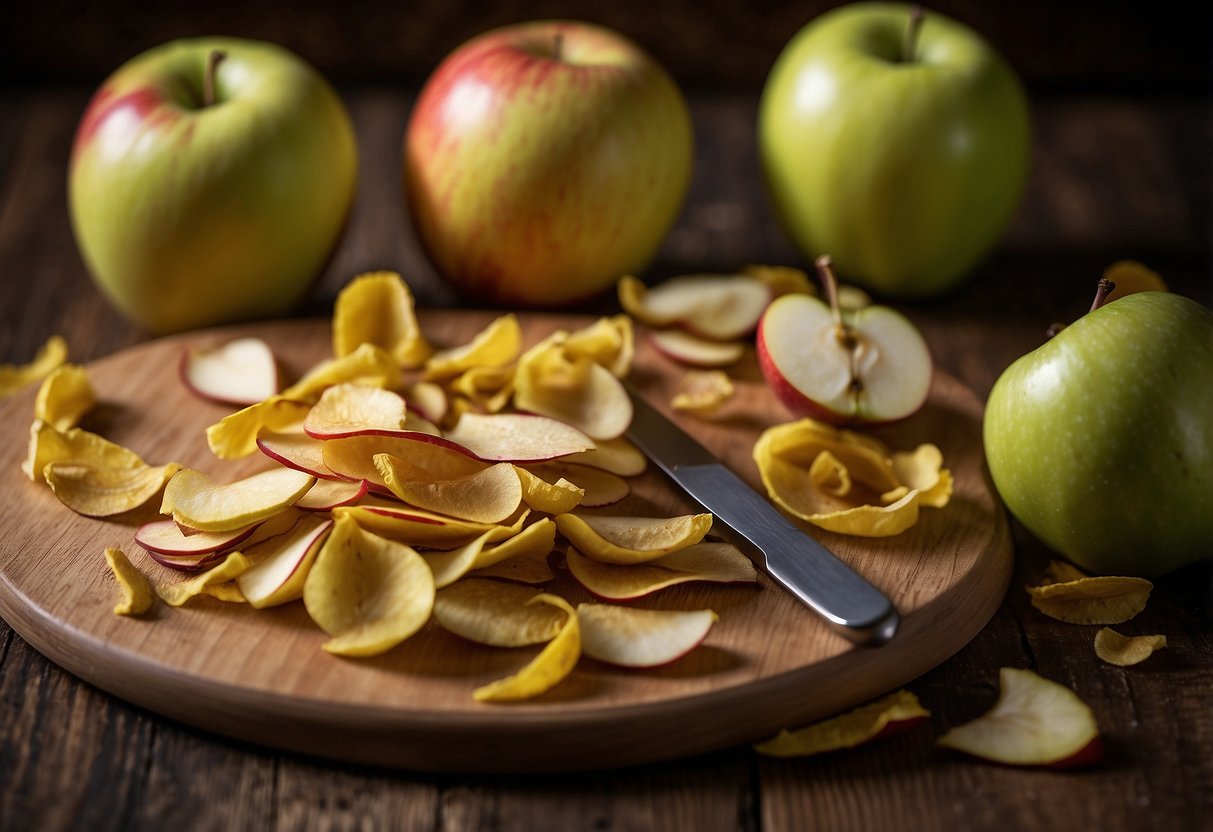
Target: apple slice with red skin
716 306
298 451
690 349
166 544
1035 722
326 495
628 637
865 366
241 372
280 564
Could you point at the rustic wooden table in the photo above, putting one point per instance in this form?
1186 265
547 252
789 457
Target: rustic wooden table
1111 178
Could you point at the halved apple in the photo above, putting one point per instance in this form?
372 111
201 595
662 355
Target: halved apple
240 372
864 366
641 638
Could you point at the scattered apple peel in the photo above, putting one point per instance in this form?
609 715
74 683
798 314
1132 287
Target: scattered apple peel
137 595
1126 651
893 714
235 435
487 496
496 345
346 408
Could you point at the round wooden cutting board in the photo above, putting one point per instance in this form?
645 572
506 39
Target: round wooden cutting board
261 676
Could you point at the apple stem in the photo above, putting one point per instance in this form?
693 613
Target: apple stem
1101 293
825 272
208 81
910 45
558 46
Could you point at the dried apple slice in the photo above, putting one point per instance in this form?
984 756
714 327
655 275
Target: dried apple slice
47 445
496 614
165 544
368 593
545 671
702 392
448 567
235 436
616 456
196 502
629 637
280 565
528 568
327 495
240 372
137 595
97 491
496 345
352 409
894 714
717 306
377 308
417 527
64 397
427 398
1100 600
1125 651
712 562
1035 722
630 540
578 391
175 595
353 457
600 488
608 342
488 387
517 437
295 450
686 348
49 356
487 496
557 497
368 364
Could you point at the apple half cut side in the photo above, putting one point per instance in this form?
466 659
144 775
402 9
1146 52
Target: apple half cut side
690 349
1035 722
241 372
628 637
720 307
867 366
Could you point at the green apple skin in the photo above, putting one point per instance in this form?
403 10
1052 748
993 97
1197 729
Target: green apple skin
1101 440
538 179
904 172
190 215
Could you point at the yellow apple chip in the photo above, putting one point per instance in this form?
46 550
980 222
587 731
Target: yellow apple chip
368 593
487 496
496 345
617 456
629 540
197 503
600 488
893 714
573 389
346 409
922 470
49 356
628 637
497 614
1130 276
528 568
516 437
97 491
549 668
448 567
418 527
829 474
782 280
1101 600
608 342
369 364
427 398
137 595
702 392
235 436
228 592
1125 651
64 397
487 387
47 445
711 562
232 566
559 497
377 308
353 457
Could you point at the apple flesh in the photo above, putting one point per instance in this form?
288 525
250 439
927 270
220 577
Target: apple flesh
241 372
543 160
190 212
869 365
1100 441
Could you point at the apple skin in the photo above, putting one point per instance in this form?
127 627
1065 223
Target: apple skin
534 180
906 173
188 216
1101 440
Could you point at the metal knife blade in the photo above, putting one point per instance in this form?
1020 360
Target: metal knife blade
792 558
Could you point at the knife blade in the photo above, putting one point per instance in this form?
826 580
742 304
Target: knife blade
793 559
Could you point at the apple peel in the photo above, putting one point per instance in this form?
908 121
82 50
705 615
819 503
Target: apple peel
1035 722
709 561
627 637
353 457
1098 600
632 540
50 355
137 594
1126 651
497 614
575 390
617 456
893 714
327 495
555 662
197 503
64 397
377 308
177 594
280 564
47 445
702 392
608 342
599 488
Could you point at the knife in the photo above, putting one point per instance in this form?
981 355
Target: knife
793 559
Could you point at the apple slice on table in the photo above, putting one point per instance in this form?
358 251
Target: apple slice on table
869 365
716 306
517 437
326 495
641 638
350 409
698 352
296 450
280 564
240 372
167 545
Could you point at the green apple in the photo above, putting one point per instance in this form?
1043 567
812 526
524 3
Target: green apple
1101 440
897 144
209 182
544 160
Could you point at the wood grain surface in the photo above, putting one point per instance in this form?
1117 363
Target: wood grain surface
261 676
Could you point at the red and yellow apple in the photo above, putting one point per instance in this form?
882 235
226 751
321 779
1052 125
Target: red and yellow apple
209 182
543 160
